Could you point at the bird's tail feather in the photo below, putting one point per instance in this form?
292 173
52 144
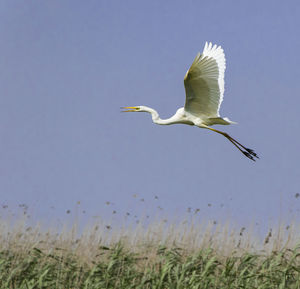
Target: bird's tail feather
220 120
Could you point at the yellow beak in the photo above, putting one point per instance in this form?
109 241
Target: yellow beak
129 108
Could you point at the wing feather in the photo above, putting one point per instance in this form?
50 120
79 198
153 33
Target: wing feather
204 82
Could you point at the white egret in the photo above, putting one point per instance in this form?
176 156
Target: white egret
204 88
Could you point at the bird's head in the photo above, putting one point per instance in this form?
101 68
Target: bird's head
134 108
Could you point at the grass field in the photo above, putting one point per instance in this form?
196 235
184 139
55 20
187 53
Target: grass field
179 255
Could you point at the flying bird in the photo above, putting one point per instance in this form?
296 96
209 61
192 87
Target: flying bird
204 88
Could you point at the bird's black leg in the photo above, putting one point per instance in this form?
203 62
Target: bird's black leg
246 153
249 153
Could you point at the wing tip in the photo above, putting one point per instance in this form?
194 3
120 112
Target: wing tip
209 47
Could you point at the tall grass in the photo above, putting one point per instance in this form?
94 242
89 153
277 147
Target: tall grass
157 255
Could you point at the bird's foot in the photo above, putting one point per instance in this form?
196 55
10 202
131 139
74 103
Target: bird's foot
251 152
248 155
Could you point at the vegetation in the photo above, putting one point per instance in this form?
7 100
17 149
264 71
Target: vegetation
182 255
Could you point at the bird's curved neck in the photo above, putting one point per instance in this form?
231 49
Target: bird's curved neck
156 119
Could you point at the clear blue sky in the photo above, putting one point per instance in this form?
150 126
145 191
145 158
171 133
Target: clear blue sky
66 67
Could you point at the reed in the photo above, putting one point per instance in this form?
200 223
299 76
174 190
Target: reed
157 255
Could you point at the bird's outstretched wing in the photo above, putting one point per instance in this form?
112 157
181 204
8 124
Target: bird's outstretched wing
204 82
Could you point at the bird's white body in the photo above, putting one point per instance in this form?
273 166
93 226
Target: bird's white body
184 117
204 88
